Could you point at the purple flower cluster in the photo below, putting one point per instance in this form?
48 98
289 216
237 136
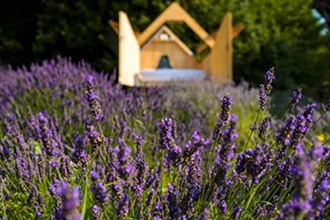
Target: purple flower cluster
254 163
305 202
223 116
93 100
70 201
124 169
296 127
266 88
295 98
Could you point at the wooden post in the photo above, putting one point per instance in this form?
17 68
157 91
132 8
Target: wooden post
219 62
129 52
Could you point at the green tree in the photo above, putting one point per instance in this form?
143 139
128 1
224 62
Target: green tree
76 29
284 34
17 31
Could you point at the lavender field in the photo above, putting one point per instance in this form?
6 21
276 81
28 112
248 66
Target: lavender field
76 145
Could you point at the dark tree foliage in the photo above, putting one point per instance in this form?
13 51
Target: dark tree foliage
18 21
76 29
323 7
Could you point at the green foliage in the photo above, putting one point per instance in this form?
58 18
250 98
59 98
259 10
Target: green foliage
17 31
78 29
285 35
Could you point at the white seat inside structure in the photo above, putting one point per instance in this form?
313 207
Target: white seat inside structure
168 74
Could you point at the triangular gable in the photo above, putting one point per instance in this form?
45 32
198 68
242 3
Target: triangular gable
173 36
175 13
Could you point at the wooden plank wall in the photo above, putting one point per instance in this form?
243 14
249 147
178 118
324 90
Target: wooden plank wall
179 59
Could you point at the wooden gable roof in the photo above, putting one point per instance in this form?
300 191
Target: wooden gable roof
175 13
173 37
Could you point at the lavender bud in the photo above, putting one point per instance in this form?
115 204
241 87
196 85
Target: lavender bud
269 78
100 193
264 125
93 100
327 107
295 98
122 208
236 212
70 201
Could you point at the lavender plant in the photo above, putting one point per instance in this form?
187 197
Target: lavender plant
74 145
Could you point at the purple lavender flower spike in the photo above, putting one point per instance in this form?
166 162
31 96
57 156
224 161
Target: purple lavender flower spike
301 129
264 125
96 212
122 208
94 175
223 115
269 78
222 205
79 154
158 207
327 107
300 206
70 201
293 210
283 136
93 100
45 134
254 163
321 196
126 168
96 139
37 201
172 202
236 212
22 170
226 101
100 194
167 132
148 203
141 167
309 112
295 98
204 215
226 152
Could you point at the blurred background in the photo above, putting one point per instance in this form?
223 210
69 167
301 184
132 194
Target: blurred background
292 36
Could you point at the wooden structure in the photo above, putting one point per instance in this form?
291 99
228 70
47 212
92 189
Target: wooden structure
140 53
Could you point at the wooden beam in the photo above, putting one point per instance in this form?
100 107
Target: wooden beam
175 13
114 25
236 30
